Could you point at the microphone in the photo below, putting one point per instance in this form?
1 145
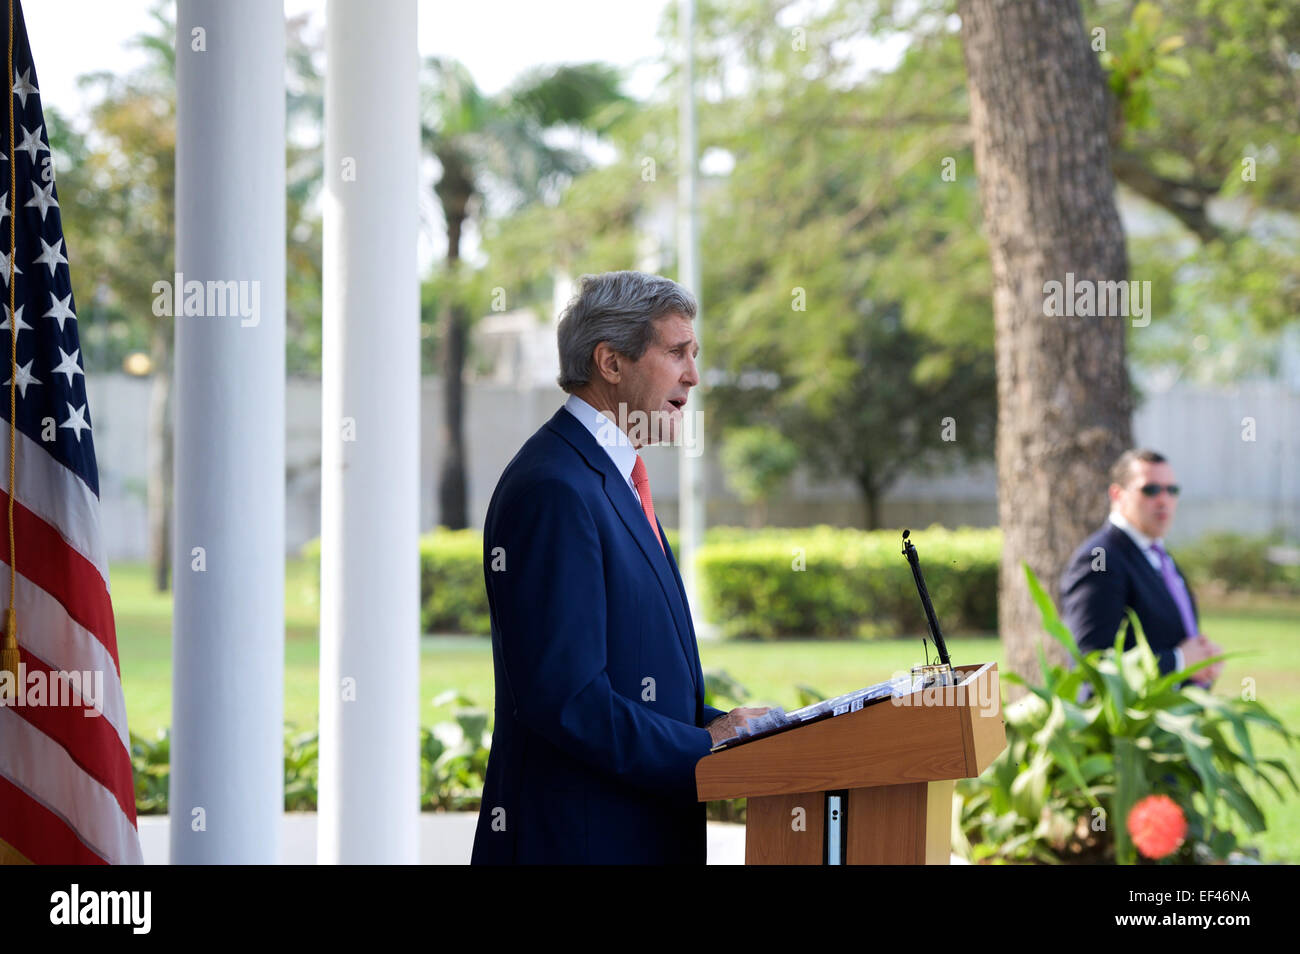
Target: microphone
909 551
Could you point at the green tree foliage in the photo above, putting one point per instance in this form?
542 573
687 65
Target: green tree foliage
117 180
758 461
846 296
117 183
850 193
1208 130
495 151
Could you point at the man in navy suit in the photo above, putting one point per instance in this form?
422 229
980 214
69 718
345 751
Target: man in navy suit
1125 565
600 715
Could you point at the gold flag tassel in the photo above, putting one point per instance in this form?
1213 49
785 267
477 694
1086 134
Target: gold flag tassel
9 652
9 655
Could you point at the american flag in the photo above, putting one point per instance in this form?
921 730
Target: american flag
66 789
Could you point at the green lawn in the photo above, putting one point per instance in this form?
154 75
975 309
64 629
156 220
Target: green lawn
1263 634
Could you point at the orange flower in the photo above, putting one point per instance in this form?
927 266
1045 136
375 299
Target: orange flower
1157 825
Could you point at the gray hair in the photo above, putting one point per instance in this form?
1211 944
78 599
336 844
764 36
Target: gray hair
619 308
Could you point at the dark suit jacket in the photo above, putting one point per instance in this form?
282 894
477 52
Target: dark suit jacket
599 693
1093 602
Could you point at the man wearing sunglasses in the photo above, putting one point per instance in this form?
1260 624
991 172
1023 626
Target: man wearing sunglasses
1124 565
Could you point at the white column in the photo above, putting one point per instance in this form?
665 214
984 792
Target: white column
370 465
227 768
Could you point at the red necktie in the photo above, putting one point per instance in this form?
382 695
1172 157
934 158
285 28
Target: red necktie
641 480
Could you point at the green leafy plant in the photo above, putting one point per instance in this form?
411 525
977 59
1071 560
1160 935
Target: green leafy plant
454 756
151 766
1063 788
301 770
453 763
722 690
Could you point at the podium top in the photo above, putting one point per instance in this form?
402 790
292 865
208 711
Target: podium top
931 734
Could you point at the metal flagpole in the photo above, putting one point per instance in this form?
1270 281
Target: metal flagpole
691 495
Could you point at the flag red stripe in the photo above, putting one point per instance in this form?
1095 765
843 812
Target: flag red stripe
46 559
92 742
39 834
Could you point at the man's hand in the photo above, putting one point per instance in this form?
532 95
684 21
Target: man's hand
1197 649
724 727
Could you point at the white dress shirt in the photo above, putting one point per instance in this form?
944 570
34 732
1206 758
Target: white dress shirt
1144 543
609 436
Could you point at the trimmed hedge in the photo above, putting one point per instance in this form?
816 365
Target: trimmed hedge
828 582
452 596
1231 561
854 583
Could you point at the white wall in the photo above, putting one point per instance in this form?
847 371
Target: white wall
1230 483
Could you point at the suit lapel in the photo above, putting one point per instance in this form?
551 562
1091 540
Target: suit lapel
692 648
1153 575
623 499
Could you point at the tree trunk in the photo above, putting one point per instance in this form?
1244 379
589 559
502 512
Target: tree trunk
453 509
452 503
159 481
1039 116
871 497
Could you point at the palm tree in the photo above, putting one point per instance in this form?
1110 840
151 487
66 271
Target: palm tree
495 146
123 219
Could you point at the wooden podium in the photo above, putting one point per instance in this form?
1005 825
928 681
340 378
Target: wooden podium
891 765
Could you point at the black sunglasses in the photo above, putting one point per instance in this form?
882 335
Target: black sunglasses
1153 490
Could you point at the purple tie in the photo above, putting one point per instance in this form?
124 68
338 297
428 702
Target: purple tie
1176 590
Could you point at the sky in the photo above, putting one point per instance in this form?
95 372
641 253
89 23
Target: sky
496 39
71 37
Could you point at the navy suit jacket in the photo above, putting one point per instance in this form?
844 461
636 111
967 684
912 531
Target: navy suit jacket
599 692
1093 602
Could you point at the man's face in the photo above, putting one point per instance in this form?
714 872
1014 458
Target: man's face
657 385
1152 515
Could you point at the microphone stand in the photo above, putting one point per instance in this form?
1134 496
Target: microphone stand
942 673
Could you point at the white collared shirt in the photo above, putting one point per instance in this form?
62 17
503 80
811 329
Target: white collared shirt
609 436
1145 544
